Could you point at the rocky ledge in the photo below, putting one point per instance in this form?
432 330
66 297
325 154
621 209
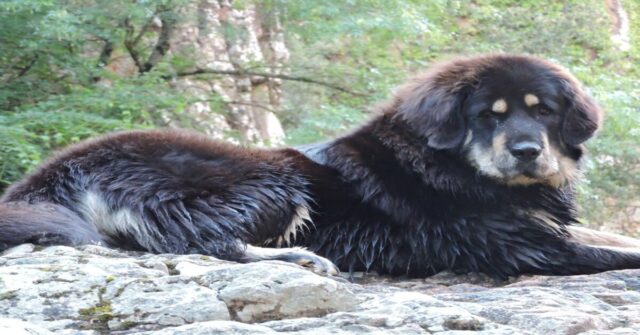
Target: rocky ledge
94 290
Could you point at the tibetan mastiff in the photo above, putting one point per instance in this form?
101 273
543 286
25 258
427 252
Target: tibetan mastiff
470 167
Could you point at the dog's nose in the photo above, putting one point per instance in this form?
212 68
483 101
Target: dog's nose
525 151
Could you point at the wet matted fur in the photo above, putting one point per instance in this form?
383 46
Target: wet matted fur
470 167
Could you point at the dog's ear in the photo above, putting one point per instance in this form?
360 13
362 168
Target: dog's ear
583 116
432 106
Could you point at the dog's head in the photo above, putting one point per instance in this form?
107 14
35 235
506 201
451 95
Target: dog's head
518 119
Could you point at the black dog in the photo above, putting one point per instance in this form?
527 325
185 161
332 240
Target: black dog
469 168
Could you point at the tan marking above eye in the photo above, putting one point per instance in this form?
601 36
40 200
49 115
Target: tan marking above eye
531 100
500 106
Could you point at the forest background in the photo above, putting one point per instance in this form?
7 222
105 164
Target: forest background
277 72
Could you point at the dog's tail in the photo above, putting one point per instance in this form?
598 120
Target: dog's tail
43 224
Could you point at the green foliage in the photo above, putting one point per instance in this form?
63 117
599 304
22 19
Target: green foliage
613 175
49 68
17 153
325 122
27 137
144 100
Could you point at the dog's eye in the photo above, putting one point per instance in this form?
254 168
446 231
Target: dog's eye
486 114
491 116
543 110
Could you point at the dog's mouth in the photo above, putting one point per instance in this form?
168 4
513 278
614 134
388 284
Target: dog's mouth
529 173
533 173
533 170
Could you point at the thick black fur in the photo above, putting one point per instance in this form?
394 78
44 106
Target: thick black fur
396 196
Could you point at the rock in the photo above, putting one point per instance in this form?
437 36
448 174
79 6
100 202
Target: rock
19 250
276 291
19 327
95 290
164 301
215 327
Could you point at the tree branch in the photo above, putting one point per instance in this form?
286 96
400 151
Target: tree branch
143 30
130 45
235 102
22 70
267 75
162 46
164 39
105 54
103 59
28 67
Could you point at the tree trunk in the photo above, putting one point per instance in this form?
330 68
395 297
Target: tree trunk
620 24
227 38
273 45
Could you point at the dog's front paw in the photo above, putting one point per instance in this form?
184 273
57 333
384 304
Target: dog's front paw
315 263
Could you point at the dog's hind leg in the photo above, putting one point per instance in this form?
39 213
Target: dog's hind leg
295 255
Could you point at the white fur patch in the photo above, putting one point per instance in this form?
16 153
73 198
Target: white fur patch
300 221
111 223
531 100
500 106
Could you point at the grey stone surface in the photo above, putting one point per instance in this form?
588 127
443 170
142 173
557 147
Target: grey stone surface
95 290
19 327
268 290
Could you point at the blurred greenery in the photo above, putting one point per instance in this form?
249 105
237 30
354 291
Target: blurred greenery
50 59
